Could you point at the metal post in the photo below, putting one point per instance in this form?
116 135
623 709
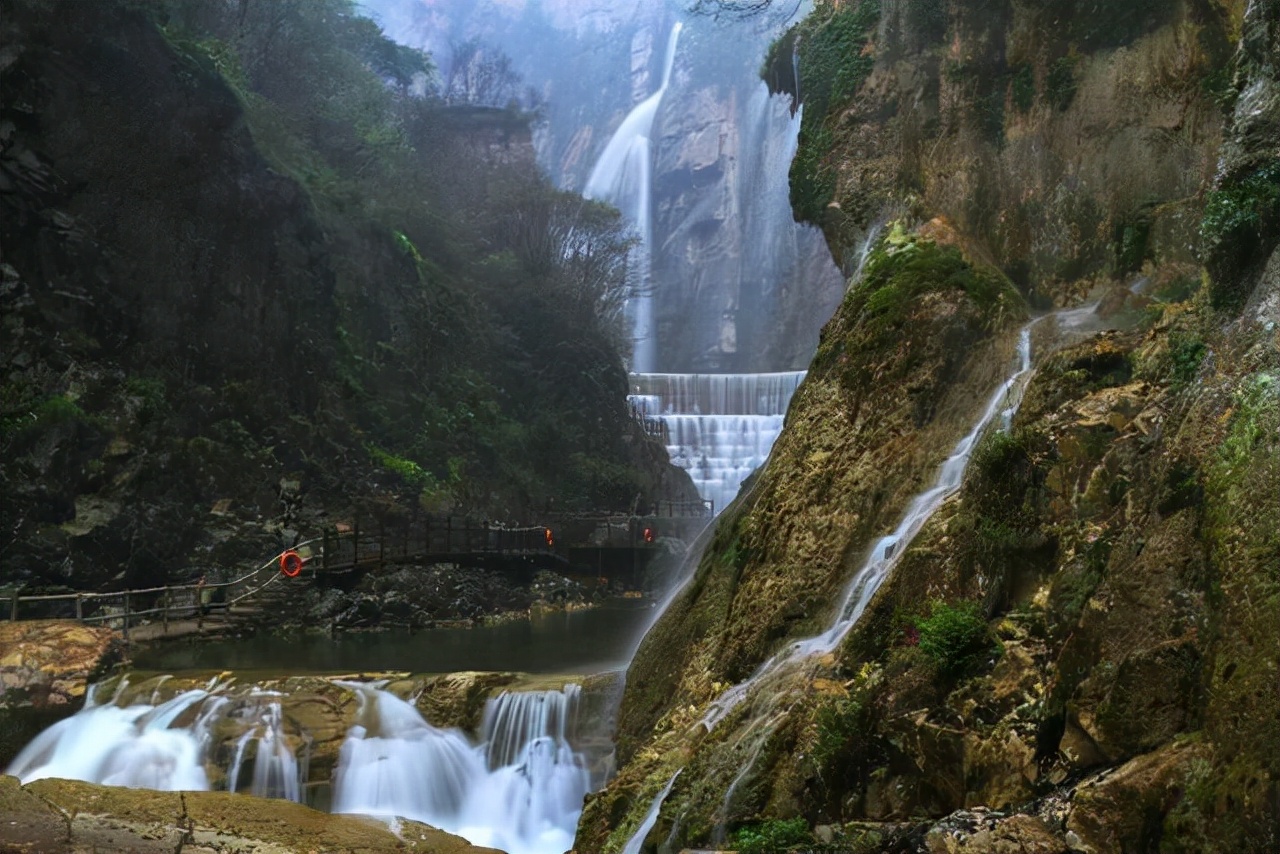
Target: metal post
355 539
126 616
13 608
166 611
324 554
79 608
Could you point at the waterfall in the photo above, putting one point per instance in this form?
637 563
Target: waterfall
276 771
650 818
885 552
718 427
622 177
136 746
520 789
167 745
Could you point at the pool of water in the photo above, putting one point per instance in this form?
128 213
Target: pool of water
590 641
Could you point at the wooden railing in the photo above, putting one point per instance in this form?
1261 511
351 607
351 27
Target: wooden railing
338 550
341 549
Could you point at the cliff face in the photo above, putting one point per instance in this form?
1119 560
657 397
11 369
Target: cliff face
738 286
229 311
1078 650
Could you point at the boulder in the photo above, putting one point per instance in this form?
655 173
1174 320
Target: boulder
47 663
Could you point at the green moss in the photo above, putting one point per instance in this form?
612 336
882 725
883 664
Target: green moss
1132 241
1186 353
767 837
835 60
904 266
1024 88
955 637
1241 219
1060 82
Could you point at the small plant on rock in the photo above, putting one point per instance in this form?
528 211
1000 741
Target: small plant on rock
955 637
777 834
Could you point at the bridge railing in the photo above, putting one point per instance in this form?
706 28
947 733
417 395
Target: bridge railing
340 548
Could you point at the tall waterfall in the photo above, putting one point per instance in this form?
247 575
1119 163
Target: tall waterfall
718 427
519 790
622 177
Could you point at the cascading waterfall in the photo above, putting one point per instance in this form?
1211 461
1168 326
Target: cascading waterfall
146 744
622 177
650 818
885 552
277 772
519 790
718 427
135 746
858 593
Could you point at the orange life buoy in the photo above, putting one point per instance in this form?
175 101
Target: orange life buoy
291 563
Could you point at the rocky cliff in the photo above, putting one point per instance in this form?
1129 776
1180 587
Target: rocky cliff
1078 651
737 285
238 300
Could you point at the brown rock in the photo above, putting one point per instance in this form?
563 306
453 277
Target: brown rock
1114 811
50 662
70 816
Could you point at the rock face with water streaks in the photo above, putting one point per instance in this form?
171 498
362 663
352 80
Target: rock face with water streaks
1078 652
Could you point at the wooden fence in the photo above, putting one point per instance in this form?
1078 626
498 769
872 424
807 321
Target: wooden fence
341 549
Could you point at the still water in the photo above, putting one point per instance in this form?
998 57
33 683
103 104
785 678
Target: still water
590 641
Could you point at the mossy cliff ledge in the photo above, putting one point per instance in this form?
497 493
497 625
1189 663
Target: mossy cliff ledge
1079 652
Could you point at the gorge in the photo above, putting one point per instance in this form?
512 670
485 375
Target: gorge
991 562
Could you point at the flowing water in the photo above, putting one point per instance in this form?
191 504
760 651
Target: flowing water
717 427
622 177
518 787
770 705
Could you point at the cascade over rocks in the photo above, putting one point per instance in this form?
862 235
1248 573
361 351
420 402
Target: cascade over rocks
1078 650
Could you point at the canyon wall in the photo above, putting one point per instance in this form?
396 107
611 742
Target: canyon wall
1077 652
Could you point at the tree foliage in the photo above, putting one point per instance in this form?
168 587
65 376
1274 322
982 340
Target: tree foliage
480 342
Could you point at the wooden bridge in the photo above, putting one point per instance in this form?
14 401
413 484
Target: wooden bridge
617 547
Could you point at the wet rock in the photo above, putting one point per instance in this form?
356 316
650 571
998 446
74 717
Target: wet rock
982 832
50 662
1121 810
57 816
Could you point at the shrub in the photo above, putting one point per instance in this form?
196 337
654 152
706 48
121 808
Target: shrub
1060 83
776 834
1241 218
1024 88
955 637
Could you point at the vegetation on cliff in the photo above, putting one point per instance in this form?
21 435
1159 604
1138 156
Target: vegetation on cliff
283 276
1078 651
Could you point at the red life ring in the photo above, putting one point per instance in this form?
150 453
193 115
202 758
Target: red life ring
291 563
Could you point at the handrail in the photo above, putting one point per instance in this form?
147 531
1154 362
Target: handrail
387 544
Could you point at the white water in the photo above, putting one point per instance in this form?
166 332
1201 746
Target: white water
276 770
622 177
719 427
885 552
165 745
650 819
520 790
